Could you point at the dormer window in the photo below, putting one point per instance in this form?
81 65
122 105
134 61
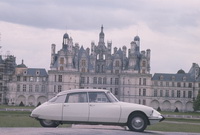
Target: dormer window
25 72
161 77
173 78
37 72
184 78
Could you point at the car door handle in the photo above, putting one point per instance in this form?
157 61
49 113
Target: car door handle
92 105
65 105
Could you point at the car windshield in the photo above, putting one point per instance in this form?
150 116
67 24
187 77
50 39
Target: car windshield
112 97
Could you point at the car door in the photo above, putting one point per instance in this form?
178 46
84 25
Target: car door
76 107
101 109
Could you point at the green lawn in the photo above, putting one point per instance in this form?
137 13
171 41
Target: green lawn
17 119
173 127
22 119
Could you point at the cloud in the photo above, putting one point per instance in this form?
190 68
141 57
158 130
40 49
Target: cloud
170 29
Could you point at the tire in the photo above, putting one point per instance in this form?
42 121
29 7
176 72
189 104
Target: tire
48 123
137 122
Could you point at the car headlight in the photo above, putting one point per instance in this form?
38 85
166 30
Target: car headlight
155 113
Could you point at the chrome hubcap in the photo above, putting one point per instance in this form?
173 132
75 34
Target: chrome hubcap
137 122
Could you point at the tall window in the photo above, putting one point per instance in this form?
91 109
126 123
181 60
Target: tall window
83 70
110 80
144 63
183 94
61 68
43 88
83 63
95 80
18 78
144 102
161 93
178 93
24 78
190 85
30 88
99 80
104 80
189 94
88 80
178 84
167 93
36 88
61 60
172 93
59 88
55 78
155 93
144 81
18 87
139 92
59 78
140 81
116 81
144 92
82 79
117 63
24 88
116 91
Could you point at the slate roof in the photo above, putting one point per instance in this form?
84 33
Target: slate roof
33 72
177 77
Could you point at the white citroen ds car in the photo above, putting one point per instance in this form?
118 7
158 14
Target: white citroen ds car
92 106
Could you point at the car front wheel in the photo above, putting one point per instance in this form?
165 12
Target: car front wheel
48 123
137 122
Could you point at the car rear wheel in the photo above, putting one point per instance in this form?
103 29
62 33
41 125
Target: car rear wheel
137 122
49 123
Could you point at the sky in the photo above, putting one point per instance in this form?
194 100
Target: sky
170 29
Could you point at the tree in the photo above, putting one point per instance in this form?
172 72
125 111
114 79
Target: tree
196 103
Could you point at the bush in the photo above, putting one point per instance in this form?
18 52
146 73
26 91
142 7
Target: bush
176 110
159 109
21 104
39 104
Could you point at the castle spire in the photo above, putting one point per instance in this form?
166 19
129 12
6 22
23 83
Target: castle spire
101 36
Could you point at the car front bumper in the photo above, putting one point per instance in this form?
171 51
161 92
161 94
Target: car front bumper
154 120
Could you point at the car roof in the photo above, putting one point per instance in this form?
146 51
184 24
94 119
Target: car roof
81 90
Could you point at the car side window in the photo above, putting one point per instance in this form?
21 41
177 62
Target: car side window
77 98
58 99
98 97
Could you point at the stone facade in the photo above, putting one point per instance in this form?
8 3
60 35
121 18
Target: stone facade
171 91
28 86
124 71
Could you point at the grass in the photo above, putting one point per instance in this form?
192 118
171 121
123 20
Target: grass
17 119
174 127
16 107
22 119
182 113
